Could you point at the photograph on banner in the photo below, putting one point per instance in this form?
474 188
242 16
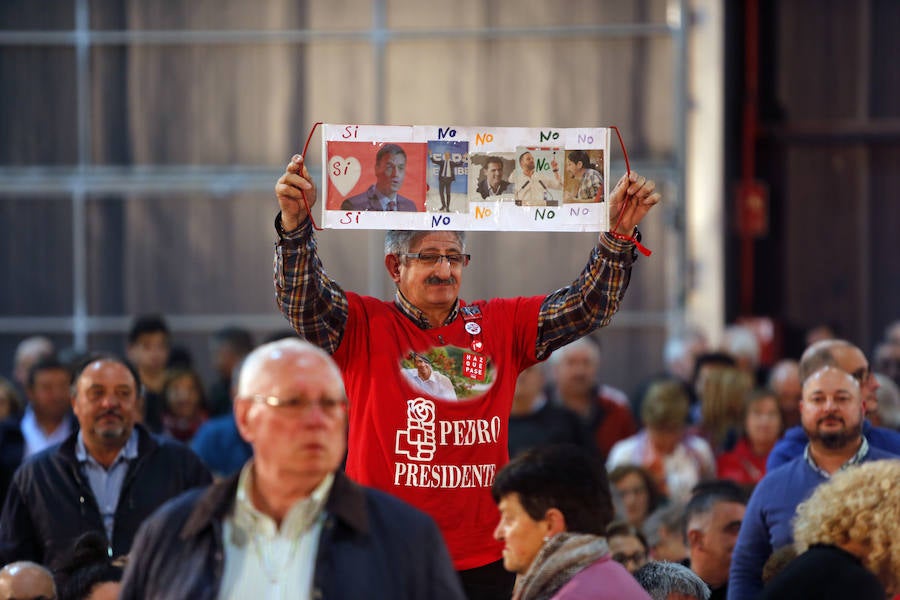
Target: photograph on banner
537 179
584 176
375 176
448 180
489 176
449 373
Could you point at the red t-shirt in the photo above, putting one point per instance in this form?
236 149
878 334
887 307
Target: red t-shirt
437 454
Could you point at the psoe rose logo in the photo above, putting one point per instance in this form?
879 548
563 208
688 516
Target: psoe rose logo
418 441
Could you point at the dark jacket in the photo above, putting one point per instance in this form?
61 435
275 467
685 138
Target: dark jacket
12 448
372 546
50 502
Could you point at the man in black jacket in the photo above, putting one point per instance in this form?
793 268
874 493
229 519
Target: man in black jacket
107 477
290 521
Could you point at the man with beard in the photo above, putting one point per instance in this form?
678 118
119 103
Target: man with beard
108 477
850 359
831 413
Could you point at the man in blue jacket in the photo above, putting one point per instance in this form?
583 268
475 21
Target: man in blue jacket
831 413
290 521
850 359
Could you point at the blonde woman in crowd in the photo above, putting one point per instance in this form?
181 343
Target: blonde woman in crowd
848 534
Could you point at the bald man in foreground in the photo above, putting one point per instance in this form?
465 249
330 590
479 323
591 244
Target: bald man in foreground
290 522
25 579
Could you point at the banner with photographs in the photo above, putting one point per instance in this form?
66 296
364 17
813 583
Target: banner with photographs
465 178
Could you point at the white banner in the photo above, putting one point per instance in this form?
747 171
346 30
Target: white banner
465 178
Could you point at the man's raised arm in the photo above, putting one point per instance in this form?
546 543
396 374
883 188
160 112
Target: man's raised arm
591 300
315 306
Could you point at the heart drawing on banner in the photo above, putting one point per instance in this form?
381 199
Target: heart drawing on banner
344 173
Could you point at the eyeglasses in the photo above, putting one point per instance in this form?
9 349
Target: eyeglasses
330 406
637 558
432 259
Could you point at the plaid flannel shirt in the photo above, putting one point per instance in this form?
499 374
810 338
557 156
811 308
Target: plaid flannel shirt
316 306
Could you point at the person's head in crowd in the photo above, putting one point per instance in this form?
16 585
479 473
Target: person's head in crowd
784 381
681 351
713 519
186 407
29 351
10 403
47 386
575 367
105 401
777 561
832 410
857 510
183 391
292 408
228 347
627 545
180 357
89 573
705 364
529 387
762 421
634 492
741 343
888 394
26 580
664 532
846 357
892 333
722 403
886 360
149 344
671 581
546 491
819 333
664 412
390 169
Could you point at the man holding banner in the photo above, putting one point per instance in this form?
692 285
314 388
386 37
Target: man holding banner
439 455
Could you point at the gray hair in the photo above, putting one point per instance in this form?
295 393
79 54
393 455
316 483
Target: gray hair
660 578
782 370
587 342
260 357
888 395
399 241
741 342
671 516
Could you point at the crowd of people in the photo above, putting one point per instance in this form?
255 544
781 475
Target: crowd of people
427 447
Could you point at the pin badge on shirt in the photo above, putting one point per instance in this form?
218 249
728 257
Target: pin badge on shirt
477 346
473 327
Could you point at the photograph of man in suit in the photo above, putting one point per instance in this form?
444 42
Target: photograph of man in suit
446 176
390 171
493 183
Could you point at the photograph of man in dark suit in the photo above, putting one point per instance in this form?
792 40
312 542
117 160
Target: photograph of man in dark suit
446 176
493 183
390 171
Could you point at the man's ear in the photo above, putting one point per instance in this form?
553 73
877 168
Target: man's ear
242 418
392 264
556 521
694 538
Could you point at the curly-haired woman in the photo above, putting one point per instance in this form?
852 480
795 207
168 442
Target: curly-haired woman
848 532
